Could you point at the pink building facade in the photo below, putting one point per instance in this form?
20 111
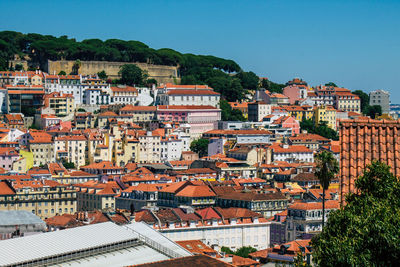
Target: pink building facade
295 93
7 157
200 118
288 122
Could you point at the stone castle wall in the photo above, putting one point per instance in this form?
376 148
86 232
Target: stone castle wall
162 74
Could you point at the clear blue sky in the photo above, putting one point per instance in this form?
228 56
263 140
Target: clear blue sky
355 44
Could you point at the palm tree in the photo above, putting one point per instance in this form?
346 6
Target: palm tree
327 168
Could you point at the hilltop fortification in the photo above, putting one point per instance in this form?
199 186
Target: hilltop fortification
162 74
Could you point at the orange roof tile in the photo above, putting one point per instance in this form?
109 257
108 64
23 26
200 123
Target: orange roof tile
196 191
329 204
361 142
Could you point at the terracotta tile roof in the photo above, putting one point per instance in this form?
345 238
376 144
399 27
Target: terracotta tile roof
230 213
195 171
71 138
365 140
108 190
240 261
196 191
305 176
308 137
101 165
277 148
174 187
6 189
196 260
329 204
40 137
138 108
192 92
250 196
64 221
123 89
185 216
238 104
167 215
8 151
145 216
208 213
196 247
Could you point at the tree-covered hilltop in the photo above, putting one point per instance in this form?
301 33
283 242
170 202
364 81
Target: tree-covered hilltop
43 47
224 75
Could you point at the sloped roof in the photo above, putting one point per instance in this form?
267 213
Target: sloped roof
196 191
329 204
365 140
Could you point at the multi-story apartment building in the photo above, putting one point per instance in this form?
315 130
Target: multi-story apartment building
42 147
150 146
123 94
346 101
44 198
72 149
380 98
305 219
312 141
200 118
189 97
231 227
139 196
325 114
66 84
245 136
96 96
23 97
84 120
139 113
8 155
295 93
300 113
171 148
258 110
202 95
291 154
14 121
96 196
59 104
267 204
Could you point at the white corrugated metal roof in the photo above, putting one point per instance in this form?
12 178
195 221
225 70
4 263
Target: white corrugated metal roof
128 256
59 242
19 217
158 237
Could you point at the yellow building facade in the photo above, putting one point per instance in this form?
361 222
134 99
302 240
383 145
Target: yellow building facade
327 114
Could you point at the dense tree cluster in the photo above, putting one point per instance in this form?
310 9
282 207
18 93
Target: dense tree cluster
229 114
366 108
272 87
194 69
322 129
365 231
42 47
242 252
200 146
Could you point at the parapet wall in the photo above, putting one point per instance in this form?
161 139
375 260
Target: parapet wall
162 74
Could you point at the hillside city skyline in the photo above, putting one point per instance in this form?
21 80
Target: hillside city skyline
205 133
357 52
